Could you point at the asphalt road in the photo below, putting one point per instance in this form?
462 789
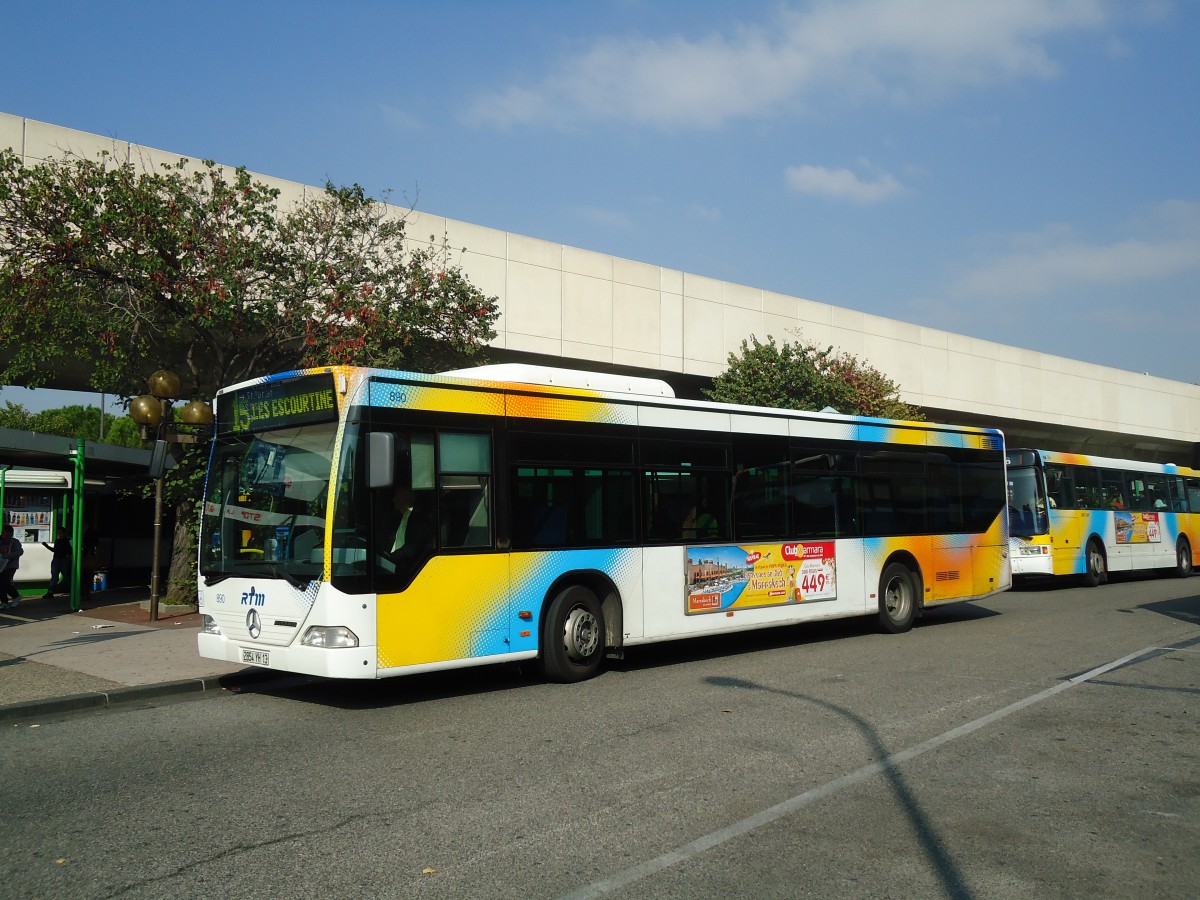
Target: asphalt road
1041 744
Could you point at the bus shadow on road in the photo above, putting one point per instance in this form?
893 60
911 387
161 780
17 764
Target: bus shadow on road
432 686
1185 609
387 693
725 646
955 612
1035 584
947 871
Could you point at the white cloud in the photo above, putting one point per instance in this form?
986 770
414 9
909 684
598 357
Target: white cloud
399 119
1055 260
609 218
895 49
841 184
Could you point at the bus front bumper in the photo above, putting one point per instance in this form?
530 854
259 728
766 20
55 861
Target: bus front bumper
350 662
1032 559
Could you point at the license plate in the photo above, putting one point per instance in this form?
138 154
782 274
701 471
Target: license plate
256 657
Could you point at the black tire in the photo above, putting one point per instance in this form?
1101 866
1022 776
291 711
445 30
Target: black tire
1183 558
897 598
1096 573
573 636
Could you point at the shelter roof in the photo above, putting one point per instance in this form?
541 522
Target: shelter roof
48 451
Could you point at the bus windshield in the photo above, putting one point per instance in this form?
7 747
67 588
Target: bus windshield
264 505
1026 503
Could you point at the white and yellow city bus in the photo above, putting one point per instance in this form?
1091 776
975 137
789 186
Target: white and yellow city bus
1086 516
363 523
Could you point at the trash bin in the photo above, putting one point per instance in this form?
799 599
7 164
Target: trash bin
100 581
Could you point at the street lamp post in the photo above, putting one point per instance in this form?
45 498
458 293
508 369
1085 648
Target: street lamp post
156 420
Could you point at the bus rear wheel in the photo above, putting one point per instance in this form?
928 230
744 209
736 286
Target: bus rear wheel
573 637
1097 565
897 598
1183 558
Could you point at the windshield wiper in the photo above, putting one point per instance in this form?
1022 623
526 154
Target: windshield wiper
258 569
294 580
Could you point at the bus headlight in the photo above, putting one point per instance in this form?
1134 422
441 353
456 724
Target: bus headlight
208 625
329 636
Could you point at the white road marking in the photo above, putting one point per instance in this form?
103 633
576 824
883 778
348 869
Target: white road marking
787 807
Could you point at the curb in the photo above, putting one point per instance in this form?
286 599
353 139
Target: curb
28 709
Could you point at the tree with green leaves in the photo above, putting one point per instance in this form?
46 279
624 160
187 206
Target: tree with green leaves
125 269
798 375
73 422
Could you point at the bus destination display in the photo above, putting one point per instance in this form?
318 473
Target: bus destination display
279 404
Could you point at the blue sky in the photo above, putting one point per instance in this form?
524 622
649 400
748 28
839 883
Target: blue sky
1017 170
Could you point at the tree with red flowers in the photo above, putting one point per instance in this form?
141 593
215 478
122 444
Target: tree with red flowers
122 269
198 269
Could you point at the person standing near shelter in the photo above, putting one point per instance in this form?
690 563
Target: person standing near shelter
60 563
10 552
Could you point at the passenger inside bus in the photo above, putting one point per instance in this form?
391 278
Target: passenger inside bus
406 534
700 524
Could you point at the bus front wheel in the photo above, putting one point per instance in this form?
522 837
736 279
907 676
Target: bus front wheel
1183 558
573 639
897 598
1097 565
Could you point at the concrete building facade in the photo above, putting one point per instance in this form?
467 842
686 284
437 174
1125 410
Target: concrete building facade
573 307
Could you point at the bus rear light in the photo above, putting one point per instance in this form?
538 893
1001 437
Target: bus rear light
208 625
331 637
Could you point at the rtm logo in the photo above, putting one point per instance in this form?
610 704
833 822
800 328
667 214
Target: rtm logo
253 598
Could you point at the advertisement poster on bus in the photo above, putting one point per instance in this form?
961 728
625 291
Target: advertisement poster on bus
1137 528
757 575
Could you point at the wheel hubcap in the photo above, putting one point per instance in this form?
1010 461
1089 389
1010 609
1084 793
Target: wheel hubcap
896 599
581 636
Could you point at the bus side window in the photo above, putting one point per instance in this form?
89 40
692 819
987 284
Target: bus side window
1177 489
664 509
403 518
464 482
943 493
1114 486
688 487
1056 488
1087 488
1192 486
1157 492
760 501
465 511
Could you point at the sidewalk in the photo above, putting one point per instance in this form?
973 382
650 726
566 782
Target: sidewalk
54 660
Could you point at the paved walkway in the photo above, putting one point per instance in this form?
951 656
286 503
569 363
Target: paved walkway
55 660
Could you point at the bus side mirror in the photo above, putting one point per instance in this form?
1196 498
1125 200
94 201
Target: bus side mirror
381 459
